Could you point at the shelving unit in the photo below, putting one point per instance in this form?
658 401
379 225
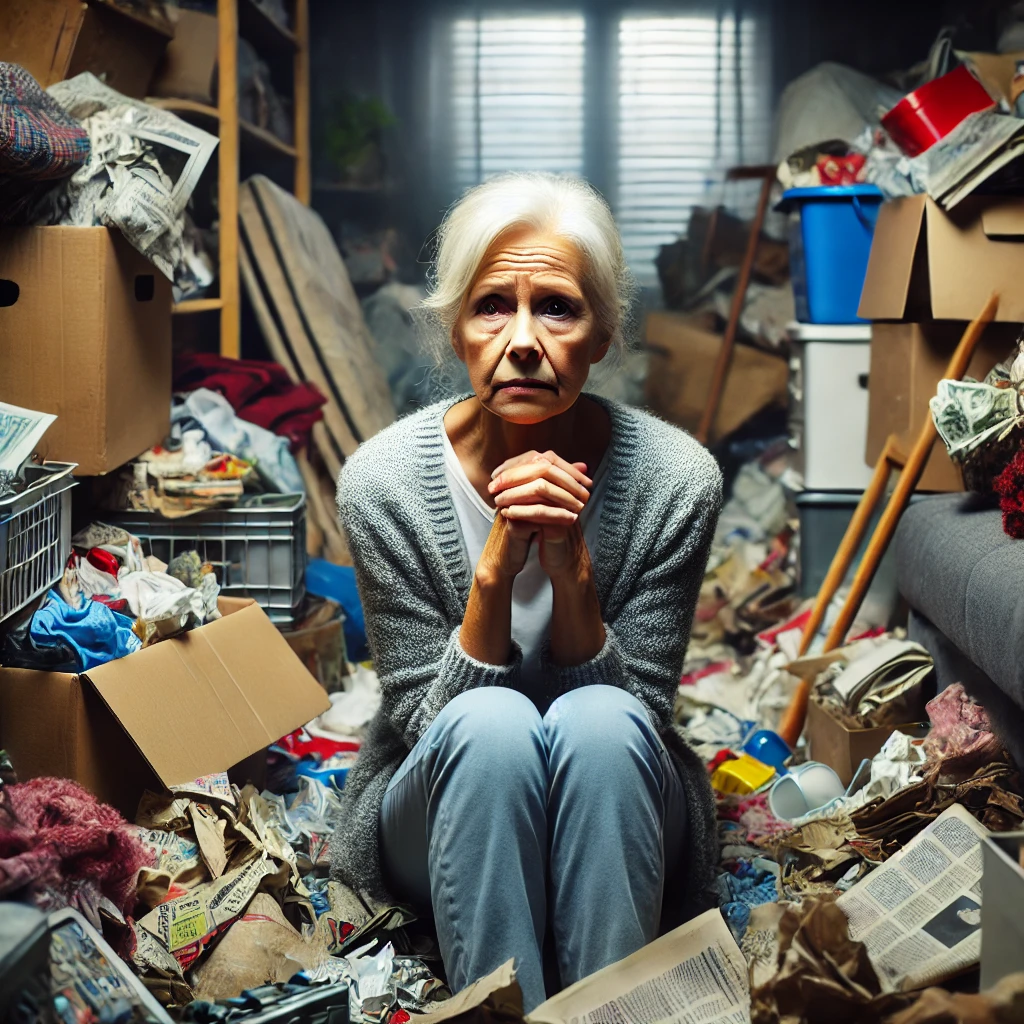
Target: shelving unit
241 141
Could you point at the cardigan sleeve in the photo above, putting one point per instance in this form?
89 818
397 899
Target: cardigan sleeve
646 640
416 651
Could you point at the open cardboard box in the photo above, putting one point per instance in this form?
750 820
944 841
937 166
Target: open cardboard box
930 272
841 748
186 707
682 356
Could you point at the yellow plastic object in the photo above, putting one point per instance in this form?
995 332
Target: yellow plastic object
743 775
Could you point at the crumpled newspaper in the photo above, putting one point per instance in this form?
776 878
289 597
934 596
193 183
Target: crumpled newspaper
143 166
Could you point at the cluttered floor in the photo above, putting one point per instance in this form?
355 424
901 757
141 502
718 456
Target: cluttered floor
855 888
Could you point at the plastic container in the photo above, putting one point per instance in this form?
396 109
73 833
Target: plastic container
829 243
35 535
930 113
258 550
828 405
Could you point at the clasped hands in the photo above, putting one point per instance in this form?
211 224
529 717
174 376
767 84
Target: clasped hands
539 496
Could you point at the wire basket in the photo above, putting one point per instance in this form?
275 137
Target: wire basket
35 535
258 550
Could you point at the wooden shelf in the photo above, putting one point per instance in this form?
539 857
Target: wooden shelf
256 140
263 32
197 306
188 110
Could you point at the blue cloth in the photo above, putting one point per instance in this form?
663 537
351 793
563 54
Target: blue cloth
738 893
494 800
338 583
97 634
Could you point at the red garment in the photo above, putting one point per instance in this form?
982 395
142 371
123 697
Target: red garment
104 561
57 840
260 392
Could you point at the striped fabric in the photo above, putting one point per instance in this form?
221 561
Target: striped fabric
39 139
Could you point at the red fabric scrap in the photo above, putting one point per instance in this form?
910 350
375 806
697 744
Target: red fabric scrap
56 839
260 392
104 561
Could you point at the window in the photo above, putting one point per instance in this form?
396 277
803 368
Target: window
690 106
685 96
517 95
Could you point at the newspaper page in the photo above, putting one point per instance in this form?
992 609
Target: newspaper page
919 914
693 975
20 432
144 164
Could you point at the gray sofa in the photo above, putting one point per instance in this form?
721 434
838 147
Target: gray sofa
963 579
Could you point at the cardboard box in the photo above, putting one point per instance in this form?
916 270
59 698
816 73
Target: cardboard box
930 272
86 335
182 708
843 749
189 63
682 356
907 363
57 39
1002 918
929 264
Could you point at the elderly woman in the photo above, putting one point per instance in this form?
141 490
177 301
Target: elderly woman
529 559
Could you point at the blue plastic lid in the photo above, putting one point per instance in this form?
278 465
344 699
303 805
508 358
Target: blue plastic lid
793 195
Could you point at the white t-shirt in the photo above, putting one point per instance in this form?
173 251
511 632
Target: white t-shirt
531 591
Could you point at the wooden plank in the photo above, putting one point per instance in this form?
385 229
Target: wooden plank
282 328
197 305
40 35
303 173
259 141
227 181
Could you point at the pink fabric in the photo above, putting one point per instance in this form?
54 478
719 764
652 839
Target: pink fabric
961 736
59 845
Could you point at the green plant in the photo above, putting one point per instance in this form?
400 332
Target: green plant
353 128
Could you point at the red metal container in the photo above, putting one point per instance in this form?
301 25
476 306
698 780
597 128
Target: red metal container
930 113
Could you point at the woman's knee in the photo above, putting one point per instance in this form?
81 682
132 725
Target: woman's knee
600 717
500 723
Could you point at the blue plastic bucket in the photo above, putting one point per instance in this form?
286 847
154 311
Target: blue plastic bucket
829 243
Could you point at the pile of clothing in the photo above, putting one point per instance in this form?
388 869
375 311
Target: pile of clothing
111 602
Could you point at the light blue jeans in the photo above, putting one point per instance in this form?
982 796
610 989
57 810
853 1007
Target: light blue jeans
504 823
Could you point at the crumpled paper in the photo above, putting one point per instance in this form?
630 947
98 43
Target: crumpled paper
124 184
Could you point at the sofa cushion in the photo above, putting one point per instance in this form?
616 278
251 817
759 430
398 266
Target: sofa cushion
955 565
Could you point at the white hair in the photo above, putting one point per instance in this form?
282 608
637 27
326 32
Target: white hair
569 207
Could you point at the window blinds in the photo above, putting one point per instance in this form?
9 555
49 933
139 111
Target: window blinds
690 99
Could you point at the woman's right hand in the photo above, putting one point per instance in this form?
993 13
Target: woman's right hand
506 550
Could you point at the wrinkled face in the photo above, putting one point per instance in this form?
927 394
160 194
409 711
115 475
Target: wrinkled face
526 332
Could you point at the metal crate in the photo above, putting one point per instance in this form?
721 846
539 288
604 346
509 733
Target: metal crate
258 549
35 535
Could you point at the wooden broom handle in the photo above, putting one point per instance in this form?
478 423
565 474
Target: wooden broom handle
707 418
850 543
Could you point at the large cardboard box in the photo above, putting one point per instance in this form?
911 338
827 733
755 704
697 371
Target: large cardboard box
57 39
85 333
165 715
907 363
682 355
841 748
930 272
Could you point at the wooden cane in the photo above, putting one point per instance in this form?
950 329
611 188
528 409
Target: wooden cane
850 544
736 310
908 481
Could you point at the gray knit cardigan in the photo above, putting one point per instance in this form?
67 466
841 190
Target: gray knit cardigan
661 506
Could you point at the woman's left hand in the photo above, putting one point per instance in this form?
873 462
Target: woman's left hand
564 555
